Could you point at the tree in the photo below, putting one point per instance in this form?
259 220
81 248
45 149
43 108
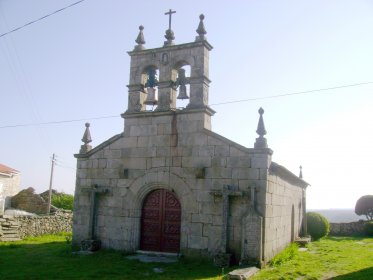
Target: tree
364 206
63 201
59 199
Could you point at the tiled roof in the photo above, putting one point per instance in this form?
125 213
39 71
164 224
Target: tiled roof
7 170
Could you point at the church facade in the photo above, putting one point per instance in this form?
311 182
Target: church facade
168 183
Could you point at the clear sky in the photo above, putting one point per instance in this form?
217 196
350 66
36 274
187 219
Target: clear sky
74 65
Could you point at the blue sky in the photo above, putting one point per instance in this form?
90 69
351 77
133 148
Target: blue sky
74 65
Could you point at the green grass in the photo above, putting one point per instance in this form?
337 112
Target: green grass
50 257
339 258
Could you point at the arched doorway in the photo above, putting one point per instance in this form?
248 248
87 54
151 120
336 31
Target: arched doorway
160 222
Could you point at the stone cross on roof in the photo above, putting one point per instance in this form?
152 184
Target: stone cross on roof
169 13
169 33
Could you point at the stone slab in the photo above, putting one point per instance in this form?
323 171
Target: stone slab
90 245
303 241
6 239
243 273
153 258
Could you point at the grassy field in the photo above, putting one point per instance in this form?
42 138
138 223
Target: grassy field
339 258
50 257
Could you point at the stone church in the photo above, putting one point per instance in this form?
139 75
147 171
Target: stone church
168 183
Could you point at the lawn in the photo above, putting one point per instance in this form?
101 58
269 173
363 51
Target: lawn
339 258
50 257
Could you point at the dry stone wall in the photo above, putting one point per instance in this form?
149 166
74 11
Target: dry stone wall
347 229
22 226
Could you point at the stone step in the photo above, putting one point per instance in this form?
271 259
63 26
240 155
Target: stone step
302 241
11 234
243 273
4 238
153 258
155 253
9 239
10 231
11 226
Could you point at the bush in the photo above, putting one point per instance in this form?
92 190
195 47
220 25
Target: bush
63 201
368 228
317 225
287 254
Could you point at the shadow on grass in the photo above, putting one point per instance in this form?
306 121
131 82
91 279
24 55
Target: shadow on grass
55 260
363 274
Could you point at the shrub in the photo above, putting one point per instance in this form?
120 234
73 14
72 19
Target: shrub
368 228
287 254
63 201
317 225
364 206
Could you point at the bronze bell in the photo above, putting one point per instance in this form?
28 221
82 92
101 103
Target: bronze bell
151 97
182 92
181 82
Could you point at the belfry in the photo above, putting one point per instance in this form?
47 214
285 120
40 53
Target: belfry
168 183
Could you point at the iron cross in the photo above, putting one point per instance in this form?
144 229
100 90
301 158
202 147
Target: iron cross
169 13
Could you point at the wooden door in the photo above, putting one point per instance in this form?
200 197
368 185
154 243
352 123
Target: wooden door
160 222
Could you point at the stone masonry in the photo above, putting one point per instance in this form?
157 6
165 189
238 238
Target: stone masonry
233 199
9 185
14 228
347 229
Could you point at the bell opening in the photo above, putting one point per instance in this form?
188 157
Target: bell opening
183 87
151 88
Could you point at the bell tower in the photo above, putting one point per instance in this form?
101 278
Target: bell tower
158 77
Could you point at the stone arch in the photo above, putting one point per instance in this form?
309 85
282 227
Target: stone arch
145 70
181 73
180 63
183 60
149 81
153 180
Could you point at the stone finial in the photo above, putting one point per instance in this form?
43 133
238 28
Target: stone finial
170 37
169 33
261 142
86 140
300 172
140 40
201 29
